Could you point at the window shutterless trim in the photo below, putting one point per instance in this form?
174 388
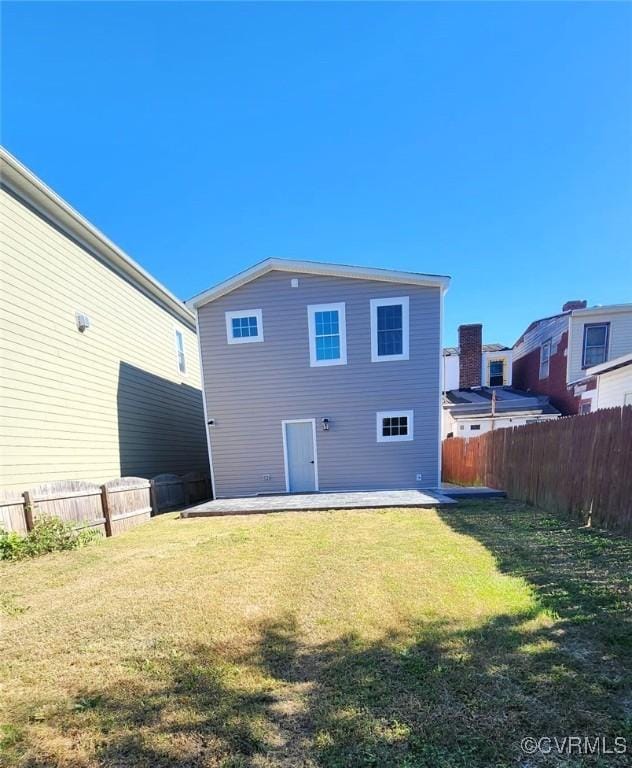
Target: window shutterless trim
375 303
312 309
548 360
179 337
605 325
381 415
237 313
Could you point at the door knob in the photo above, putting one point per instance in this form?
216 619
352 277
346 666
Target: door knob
312 461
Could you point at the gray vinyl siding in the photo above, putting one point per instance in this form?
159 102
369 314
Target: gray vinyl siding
251 388
93 405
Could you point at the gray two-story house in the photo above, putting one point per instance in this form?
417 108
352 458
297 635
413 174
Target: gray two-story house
322 377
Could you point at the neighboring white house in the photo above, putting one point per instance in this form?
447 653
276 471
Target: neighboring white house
614 382
496 362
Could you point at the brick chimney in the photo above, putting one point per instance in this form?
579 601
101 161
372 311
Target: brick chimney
575 304
470 355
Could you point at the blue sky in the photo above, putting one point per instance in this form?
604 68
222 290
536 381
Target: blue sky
491 142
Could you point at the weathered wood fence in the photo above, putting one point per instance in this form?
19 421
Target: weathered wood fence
111 508
579 465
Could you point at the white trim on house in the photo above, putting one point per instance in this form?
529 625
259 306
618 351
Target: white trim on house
380 415
338 307
285 456
20 181
204 408
609 365
238 313
548 343
316 268
387 302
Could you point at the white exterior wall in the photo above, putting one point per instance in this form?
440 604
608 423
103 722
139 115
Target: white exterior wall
619 338
463 427
614 388
450 372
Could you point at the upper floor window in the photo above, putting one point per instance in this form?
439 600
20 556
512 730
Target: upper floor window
182 361
545 357
496 373
389 329
394 426
243 326
327 334
595 344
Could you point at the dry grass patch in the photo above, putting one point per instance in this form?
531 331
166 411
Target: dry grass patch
344 638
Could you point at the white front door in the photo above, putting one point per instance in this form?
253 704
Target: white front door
299 438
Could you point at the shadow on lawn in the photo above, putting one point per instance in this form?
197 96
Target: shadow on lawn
431 695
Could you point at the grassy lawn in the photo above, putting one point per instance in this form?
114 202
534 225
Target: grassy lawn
350 638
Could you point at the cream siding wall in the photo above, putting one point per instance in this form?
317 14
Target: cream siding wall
619 342
613 386
93 405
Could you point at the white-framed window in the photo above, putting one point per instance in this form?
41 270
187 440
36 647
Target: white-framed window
595 344
327 334
181 356
627 398
545 357
394 426
244 326
496 373
389 329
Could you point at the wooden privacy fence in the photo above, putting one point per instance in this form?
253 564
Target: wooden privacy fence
579 465
111 508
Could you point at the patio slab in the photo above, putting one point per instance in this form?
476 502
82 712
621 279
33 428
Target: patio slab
315 501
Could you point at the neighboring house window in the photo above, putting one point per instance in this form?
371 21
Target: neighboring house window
474 427
243 326
584 407
595 344
327 334
389 329
182 361
545 357
627 398
496 373
394 426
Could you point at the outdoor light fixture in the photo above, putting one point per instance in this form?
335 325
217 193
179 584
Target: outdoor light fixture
325 423
82 320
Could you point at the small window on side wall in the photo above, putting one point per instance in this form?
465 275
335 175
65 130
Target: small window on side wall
182 361
244 326
394 426
595 344
545 357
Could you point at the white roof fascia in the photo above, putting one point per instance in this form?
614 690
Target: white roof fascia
316 268
28 187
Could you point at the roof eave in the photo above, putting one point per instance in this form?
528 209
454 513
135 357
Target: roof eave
26 185
315 268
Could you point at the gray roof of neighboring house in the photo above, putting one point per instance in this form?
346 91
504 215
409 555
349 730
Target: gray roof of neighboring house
478 402
486 348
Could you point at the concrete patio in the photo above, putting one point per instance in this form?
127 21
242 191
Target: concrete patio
315 501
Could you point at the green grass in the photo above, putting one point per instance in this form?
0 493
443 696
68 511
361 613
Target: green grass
346 638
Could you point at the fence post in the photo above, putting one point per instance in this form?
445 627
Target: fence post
153 499
28 510
106 510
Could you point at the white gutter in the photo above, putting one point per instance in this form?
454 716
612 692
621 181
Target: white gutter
24 184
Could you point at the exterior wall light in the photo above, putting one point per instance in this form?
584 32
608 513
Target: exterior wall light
325 423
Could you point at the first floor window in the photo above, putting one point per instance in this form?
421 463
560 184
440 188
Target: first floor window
595 344
182 362
389 329
244 326
584 407
496 373
327 334
474 427
394 426
545 357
